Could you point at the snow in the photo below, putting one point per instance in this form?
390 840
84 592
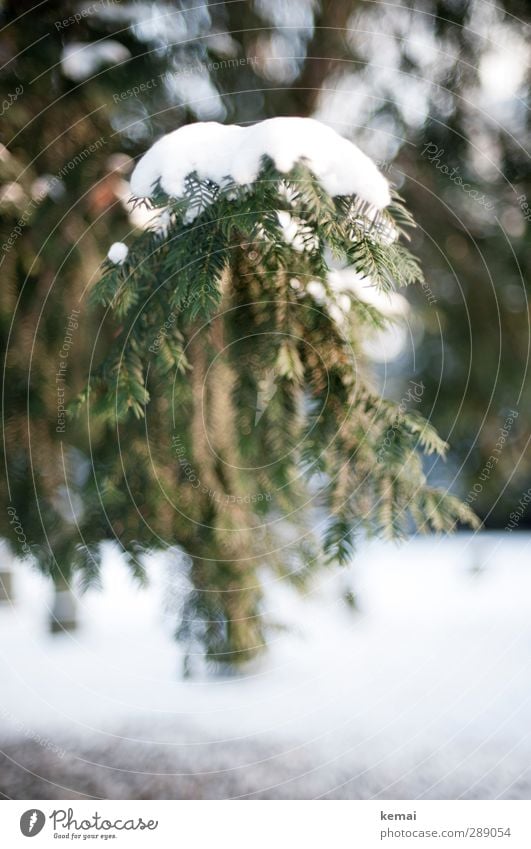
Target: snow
295 233
80 60
196 89
434 664
390 304
156 23
382 345
220 152
118 253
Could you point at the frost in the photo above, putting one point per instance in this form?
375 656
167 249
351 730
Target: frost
118 253
218 152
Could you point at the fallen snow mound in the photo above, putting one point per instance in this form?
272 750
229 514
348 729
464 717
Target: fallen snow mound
221 153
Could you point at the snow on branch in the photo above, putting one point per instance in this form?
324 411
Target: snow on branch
222 154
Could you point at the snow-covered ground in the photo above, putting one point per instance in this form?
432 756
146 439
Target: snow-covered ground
424 690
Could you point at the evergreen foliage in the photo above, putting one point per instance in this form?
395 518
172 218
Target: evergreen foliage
241 418
47 271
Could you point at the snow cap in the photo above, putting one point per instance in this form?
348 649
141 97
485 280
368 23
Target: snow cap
220 152
118 253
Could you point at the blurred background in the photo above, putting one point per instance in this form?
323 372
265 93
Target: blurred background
407 674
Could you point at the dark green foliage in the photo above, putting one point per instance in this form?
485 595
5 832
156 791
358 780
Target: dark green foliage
263 444
49 270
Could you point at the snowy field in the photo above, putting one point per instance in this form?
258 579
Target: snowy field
424 690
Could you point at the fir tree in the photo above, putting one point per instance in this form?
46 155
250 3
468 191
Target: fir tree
241 419
65 147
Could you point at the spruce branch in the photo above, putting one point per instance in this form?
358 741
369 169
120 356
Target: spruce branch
268 446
